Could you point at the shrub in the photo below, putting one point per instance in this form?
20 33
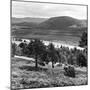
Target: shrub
59 65
69 71
41 63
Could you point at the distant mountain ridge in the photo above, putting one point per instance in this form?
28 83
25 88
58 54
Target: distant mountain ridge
62 22
28 20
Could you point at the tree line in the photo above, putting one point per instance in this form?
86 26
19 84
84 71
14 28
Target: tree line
44 54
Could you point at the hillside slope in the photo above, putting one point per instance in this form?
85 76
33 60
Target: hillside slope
62 23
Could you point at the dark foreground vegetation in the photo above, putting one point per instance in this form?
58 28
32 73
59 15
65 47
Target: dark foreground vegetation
68 66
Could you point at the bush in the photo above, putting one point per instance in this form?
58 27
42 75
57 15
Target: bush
59 65
41 63
69 71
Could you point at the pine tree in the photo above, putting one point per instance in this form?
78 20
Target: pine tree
37 48
83 41
52 54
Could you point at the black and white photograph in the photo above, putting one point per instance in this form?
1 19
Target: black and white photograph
49 44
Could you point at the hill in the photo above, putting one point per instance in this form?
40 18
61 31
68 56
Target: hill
62 23
64 28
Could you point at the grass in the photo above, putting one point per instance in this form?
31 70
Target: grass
24 75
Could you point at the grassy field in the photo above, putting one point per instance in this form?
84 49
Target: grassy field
24 75
67 36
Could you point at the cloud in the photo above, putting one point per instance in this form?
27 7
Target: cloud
29 9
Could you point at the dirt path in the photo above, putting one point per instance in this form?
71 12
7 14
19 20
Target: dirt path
23 57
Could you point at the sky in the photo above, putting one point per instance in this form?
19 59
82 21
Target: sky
47 10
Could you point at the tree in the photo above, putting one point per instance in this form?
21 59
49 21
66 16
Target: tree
44 57
81 60
58 56
24 48
13 49
52 54
72 59
83 41
36 48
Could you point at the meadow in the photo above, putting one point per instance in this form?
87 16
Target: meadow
24 75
